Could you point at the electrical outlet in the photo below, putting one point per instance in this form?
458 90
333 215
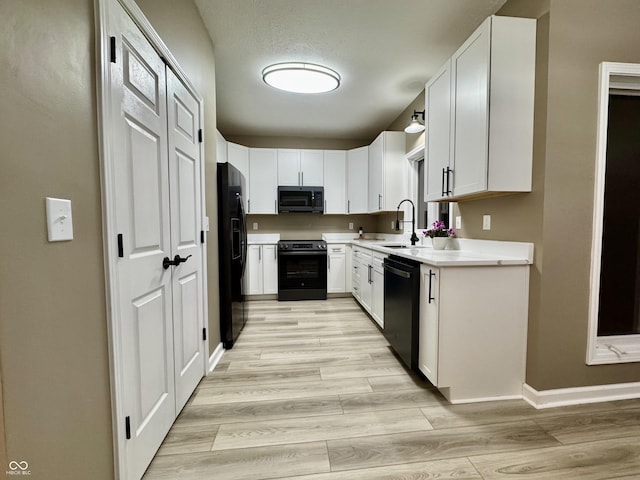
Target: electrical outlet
393 225
458 221
350 225
255 225
486 222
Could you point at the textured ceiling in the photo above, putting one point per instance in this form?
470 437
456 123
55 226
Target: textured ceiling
385 51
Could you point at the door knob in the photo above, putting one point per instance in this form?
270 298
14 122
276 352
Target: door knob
177 260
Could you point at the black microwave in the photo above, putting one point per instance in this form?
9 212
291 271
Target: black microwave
300 199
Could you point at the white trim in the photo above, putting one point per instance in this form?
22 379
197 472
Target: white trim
461 401
602 350
579 395
215 358
102 9
416 154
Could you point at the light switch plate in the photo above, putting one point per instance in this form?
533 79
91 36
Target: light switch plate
486 222
350 225
59 220
458 221
255 225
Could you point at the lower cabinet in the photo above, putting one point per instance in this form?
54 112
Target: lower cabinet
261 273
368 281
336 268
473 330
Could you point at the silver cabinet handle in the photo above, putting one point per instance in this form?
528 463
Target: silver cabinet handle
302 177
325 206
260 253
275 252
248 206
299 182
348 206
379 201
329 260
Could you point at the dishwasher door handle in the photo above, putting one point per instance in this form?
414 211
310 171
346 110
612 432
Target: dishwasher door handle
395 271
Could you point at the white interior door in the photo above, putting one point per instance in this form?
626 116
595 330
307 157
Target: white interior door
144 321
187 281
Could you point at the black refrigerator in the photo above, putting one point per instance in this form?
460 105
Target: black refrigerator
232 248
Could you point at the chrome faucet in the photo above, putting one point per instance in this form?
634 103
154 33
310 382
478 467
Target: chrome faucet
414 237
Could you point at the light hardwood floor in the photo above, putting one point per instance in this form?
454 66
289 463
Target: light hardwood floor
312 391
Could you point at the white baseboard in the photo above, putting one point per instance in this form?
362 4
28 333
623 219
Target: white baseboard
215 357
573 396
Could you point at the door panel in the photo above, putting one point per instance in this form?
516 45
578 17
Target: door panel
141 201
185 205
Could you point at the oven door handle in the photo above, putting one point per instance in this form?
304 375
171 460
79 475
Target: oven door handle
395 271
284 253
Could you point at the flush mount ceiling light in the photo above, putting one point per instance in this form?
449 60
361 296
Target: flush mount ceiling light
301 77
415 126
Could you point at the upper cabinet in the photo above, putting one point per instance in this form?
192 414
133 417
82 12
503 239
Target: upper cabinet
300 167
335 182
387 165
238 156
357 180
263 180
480 114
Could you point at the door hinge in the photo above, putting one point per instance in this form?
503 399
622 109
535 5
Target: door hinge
127 427
120 246
200 135
112 49
204 334
201 236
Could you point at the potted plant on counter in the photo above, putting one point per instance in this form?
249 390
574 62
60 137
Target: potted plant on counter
439 234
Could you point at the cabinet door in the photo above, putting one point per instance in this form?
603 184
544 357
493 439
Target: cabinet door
311 168
376 177
221 148
377 292
470 71
262 180
335 181
429 323
357 180
270 268
438 119
289 167
254 270
336 272
238 156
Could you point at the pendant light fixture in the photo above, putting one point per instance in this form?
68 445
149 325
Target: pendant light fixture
415 126
301 77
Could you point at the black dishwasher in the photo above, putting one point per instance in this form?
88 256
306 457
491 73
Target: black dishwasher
402 307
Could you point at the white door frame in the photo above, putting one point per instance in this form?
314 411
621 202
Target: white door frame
110 247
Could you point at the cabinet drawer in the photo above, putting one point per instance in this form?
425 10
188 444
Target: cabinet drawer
336 249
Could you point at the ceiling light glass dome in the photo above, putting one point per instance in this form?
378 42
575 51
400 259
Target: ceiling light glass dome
301 77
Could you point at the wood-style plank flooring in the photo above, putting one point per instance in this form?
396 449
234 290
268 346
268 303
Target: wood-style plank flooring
312 391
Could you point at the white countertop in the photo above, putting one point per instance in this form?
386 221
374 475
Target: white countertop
263 238
468 252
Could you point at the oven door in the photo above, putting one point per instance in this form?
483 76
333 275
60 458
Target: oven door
302 275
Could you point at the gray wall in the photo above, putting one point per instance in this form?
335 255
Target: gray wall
53 323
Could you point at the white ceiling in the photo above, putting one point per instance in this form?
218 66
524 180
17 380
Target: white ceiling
384 50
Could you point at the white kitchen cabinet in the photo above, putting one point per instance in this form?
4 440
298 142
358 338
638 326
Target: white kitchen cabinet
387 169
335 181
368 281
221 148
270 269
357 180
473 330
438 119
377 288
300 167
253 272
491 115
336 268
262 181
238 156
261 273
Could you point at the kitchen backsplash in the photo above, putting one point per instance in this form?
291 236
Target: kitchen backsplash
306 226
